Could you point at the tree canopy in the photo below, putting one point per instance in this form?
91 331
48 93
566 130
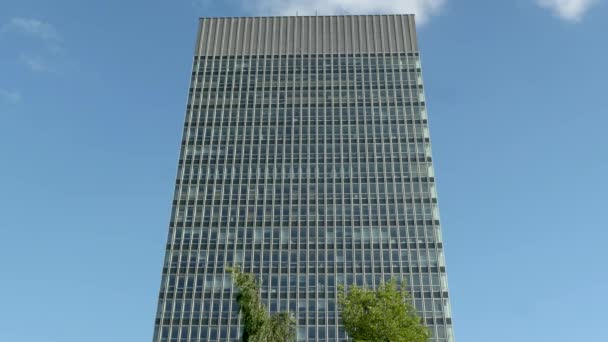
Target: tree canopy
259 325
381 315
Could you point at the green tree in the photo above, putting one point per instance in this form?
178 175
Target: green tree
259 325
383 315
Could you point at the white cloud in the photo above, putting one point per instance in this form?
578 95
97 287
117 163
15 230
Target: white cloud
571 10
45 55
34 63
33 27
423 9
10 96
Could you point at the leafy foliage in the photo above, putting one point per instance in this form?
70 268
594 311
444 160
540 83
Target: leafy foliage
259 325
382 315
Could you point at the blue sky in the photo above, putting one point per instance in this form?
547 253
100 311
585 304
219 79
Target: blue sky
92 96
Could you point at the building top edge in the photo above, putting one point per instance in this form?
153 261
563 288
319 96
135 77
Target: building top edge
309 16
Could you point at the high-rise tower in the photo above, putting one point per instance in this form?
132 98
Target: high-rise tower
305 159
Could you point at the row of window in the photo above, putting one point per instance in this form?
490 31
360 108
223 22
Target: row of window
306 64
227 332
218 267
343 88
272 156
407 238
302 220
354 211
304 125
360 235
295 84
249 142
303 243
316 170
273 151
300 308
235 199
189 283
362 145
269 153
300 244
188 215
420 257
310 187
277 234
303 101
318 59
207 176
302 283
381 185
304 74
309 72
322 105
303 115
303 159
319 171
305 201
352 206
342 129
310 55
367 139
289 95
215 171
283 118
258 77
405 268
307 292
324 152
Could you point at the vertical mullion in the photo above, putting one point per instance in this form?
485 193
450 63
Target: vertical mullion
199 193
386 154
216 61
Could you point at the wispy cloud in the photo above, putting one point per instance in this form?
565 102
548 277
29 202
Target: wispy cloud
571 10
423 9
35 63
33 27
10 96
44 57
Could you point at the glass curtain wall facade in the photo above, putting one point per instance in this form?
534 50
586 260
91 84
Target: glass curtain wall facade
305 159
